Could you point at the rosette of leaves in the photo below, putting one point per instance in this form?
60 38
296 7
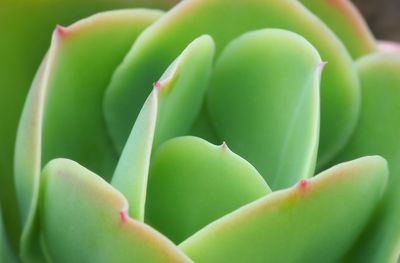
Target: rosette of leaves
194 136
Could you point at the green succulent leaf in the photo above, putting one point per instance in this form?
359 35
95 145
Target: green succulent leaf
169 111
377 132
345 20
130 176
266 116
182 88
94 218
64 105
314 221
163 41
193 183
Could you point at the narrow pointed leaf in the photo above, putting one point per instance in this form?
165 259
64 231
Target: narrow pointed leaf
130 176
169 111
346 22
377 132
314 221
63 113
94 219
163 41
182 88
264 101
193 183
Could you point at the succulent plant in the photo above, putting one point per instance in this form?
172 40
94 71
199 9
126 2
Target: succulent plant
194 135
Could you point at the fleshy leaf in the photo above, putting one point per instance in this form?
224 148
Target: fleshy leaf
314 221
169 112
94 219
181 89
163 41
264 101
377 132
346 22
193 183
130 176
63 113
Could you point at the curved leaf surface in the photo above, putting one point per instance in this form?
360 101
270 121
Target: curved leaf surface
346 22
313 221
264 101
94 219
377 132
225 20
63 112
193 183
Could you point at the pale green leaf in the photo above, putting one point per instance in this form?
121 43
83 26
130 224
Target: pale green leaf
377 132
84 219
264 102
315 221
193 183
63 114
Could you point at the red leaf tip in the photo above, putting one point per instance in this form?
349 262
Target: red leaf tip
321 65
303 184
224 146
60 30
123 216
156 85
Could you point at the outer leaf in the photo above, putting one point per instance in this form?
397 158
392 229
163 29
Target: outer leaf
173 104
377 132
94 218
225 20
264 101
65 102
193 183
25 29
313 221
346 21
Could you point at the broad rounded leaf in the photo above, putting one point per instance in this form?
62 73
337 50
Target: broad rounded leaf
193 183
314 221
264 101
377 132
92 224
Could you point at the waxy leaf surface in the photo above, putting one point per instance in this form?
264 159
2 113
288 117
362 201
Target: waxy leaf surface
225 20
193 183
169 111
346 22
377 132
63 114
315 221
92 224
264 101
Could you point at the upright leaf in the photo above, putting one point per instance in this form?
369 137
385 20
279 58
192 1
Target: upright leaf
264 101
63 112
169 111
377 132
192 183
